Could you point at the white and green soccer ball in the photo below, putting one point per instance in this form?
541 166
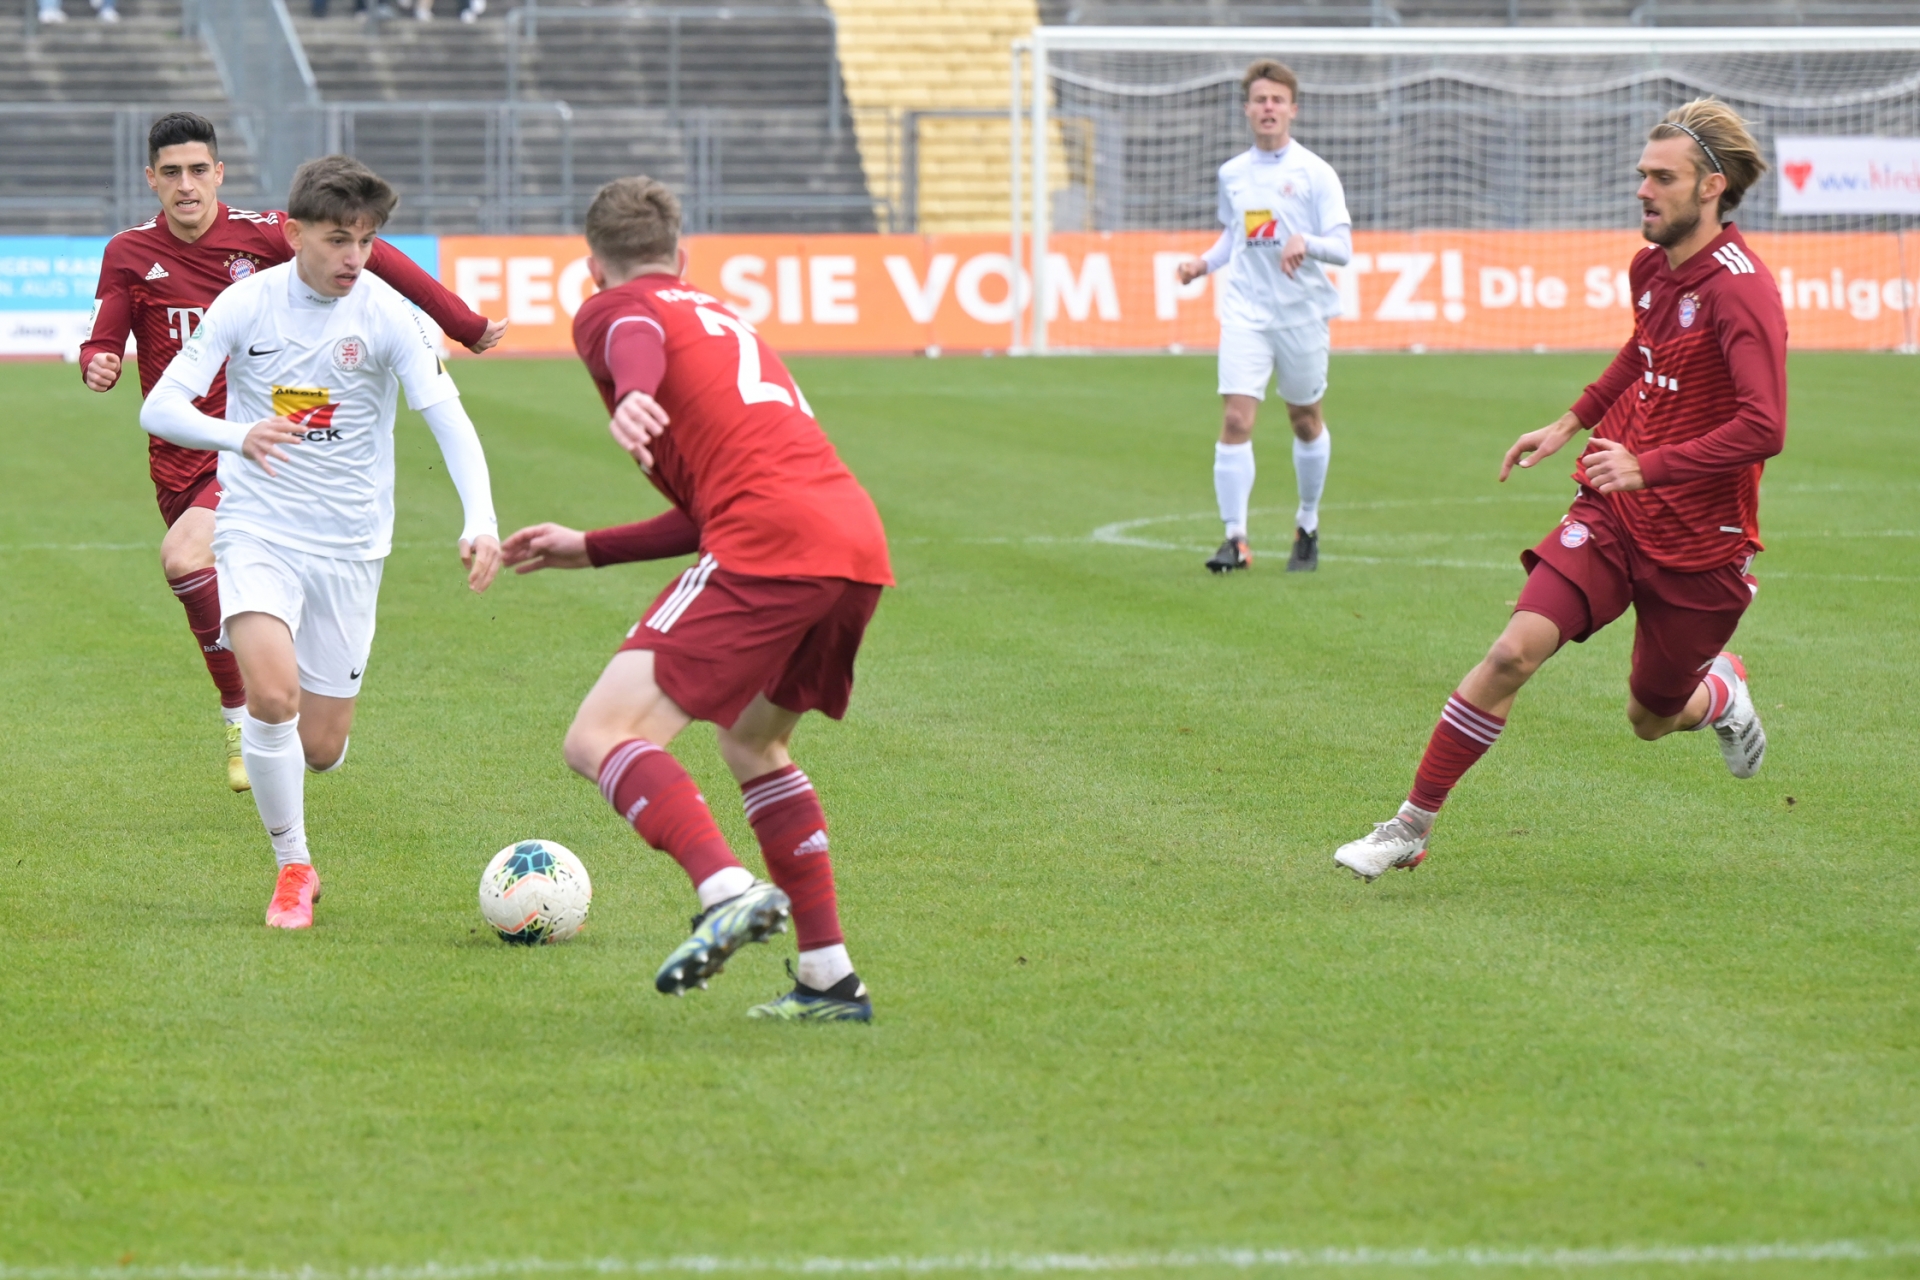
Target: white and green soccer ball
535 892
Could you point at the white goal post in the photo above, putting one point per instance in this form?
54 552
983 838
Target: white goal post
1477 130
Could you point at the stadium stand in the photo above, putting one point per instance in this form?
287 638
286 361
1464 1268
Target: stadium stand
1597 13
76 101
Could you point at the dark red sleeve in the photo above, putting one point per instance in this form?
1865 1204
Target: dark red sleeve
636 355
1753 341
671 533
112 313
432 297
1621 374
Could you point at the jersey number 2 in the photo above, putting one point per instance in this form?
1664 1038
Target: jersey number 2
752 389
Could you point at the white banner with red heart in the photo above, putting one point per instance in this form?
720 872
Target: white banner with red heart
1847 175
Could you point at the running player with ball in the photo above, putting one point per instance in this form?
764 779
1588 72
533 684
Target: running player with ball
314 352
761 630
1666 518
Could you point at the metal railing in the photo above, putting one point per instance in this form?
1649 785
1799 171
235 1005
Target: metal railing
266 75
118 197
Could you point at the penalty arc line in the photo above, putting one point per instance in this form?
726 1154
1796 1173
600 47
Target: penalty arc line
1538 1258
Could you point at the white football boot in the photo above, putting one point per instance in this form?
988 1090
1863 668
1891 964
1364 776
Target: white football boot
1394 843
1742 741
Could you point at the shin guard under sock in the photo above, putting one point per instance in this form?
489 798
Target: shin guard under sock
648 788
199 594
1461 738
792 829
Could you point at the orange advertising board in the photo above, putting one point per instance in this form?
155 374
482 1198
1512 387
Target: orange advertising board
1419 290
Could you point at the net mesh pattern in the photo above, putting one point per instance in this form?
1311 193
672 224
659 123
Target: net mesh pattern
1470 141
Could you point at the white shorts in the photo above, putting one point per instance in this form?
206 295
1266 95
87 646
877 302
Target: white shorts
1297 353
327 604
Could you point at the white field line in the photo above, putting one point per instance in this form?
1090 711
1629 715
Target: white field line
1537 1258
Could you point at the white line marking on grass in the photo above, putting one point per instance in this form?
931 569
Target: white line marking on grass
1537 1258
80 546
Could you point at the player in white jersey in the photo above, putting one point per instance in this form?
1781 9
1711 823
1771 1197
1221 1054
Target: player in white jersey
315 352
1284 215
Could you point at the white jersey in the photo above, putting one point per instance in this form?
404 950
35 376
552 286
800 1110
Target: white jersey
333 365
1265 198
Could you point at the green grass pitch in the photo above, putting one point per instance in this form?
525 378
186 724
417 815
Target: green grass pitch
1083 811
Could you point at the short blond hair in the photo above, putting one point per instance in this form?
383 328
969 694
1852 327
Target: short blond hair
1721 144
633 221
1269 69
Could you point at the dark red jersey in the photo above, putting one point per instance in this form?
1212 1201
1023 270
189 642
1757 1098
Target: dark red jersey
157 286
1699 396
742 454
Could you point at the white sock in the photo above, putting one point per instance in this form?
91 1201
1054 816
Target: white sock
277 766
727 882
822 968
232 715
1233 484
1310 472
344 744
1414 816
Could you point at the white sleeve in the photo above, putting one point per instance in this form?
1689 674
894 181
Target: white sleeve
1221 252
1336 247
412 355
466 463
1223 208
169 412
1330 199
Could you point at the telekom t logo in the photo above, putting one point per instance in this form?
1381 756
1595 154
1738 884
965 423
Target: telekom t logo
182 321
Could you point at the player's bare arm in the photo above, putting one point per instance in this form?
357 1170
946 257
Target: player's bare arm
546 546
1543 443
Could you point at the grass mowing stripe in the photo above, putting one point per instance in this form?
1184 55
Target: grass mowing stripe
1504 1259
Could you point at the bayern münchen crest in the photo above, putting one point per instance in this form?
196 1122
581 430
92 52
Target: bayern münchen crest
1573 534
348 353
1689 308
240 268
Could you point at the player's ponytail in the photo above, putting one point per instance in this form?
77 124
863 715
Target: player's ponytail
1721 145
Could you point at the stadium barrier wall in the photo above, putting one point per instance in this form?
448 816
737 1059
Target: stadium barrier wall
1419 290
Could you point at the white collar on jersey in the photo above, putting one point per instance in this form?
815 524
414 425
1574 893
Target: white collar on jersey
1270 157
304 295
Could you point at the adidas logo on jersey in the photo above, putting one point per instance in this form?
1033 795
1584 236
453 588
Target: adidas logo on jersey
815 843
158 273
1646 300
1730 257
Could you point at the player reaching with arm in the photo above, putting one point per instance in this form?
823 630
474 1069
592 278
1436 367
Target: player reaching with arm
314 353
1666 518
762 629
1285 215
156 282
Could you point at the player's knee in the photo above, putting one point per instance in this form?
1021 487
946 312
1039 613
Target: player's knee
583 751
1512 661
180 557
325 757
272 705
1236 426
1647 726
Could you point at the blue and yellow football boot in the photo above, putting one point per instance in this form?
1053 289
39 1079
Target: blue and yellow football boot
718 932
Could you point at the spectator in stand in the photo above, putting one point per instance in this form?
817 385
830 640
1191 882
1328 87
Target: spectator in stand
52 13
422 9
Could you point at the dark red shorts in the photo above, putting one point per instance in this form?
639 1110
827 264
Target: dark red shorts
1584 574
174 503
719 638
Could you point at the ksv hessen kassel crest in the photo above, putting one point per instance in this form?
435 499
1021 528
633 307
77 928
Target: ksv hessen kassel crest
1573 534
348 353
1689 308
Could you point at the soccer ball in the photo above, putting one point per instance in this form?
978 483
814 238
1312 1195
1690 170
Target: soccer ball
535 891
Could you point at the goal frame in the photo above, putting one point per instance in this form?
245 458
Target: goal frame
1033 116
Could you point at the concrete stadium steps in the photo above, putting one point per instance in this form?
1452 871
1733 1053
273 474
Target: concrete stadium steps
1476 13
902 56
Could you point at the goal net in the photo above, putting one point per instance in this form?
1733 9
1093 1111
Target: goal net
1489 173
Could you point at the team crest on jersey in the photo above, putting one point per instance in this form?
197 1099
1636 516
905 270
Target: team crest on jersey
349 353
1689 310
240 267
1260 224
1573 534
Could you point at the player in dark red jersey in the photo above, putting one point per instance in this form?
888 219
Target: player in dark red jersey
762 629
1666 517
156 282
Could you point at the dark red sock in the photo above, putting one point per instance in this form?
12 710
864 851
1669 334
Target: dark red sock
200 593
1462 737
792 829
648 788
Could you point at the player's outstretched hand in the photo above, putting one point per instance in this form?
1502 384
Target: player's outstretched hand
636 421
546 546
1544 443
103 371
1611 469
1190 270
264 439
495 330
482 560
